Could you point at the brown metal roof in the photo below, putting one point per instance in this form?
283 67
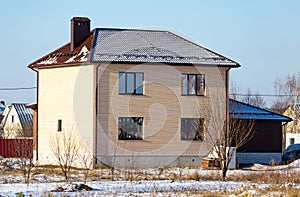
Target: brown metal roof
61 55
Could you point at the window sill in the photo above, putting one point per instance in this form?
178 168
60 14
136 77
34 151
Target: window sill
193 140
203 95
130 94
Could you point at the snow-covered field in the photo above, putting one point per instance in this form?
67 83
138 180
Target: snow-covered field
125 188
46 184
118 187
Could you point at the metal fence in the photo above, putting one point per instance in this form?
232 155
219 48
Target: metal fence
16 148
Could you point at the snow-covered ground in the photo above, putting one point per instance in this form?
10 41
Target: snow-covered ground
122 188
43 185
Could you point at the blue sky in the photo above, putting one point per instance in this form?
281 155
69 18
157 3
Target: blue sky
262 35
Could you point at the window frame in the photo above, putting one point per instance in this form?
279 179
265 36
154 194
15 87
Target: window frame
186 84
131 136
136 86
185 130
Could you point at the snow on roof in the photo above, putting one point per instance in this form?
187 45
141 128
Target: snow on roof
132 45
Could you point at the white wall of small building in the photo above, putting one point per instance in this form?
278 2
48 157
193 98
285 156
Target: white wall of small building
12 126
294 136
66 94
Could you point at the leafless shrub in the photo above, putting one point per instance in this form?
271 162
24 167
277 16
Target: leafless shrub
65 147
87 163
24 153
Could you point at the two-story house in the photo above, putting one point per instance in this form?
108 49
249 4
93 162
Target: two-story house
136 98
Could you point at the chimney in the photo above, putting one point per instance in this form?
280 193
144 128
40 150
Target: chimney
80 30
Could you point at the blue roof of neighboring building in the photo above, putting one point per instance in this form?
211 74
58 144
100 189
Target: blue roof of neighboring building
25 116
241 110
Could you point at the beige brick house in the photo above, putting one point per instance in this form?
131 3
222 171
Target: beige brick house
137 98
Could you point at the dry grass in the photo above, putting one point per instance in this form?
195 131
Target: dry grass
280 183
271 177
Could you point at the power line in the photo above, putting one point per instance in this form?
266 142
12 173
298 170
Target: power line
17 88
270 95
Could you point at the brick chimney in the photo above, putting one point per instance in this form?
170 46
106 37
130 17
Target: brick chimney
80 30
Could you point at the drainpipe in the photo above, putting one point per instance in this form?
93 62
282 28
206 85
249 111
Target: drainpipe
96 114
227 104
37 113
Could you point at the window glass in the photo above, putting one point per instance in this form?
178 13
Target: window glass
130 128
184 84
200 84
122 83
192 84
130 83
139 83
192 129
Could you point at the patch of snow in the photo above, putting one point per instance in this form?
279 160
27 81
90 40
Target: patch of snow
118 187
50 60
295 163
82 54
261 167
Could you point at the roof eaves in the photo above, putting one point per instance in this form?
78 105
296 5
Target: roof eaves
64 52
268 112
236 65
35 65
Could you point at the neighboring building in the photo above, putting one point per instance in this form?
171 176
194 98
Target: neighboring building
266 144
134 97
292 131
2 108
17 121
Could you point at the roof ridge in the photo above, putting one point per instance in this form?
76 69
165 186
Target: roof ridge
128 29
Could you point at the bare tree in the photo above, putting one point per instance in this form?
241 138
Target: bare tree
13 131
288 92
65 148
254 99
249 98
24 151
226 131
